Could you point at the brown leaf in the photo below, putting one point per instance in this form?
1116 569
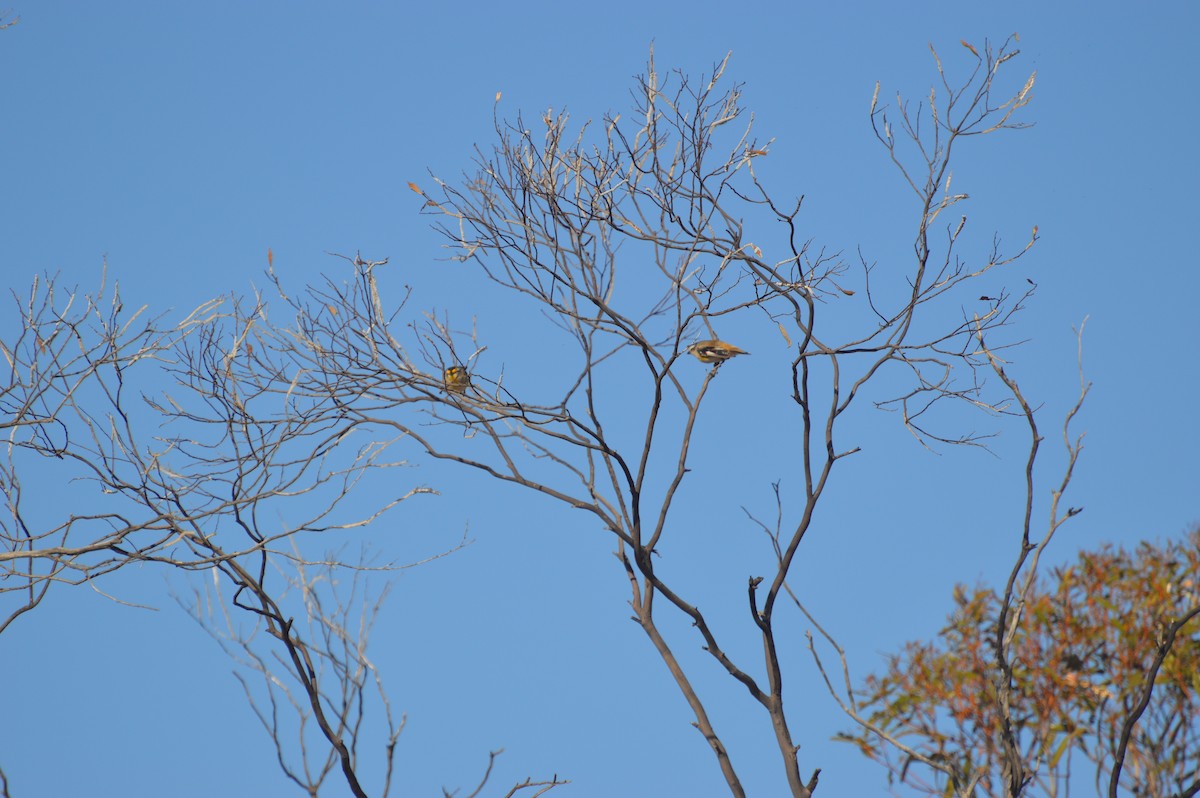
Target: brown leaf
415 187
785 335
497 96
1035 231
270 258
974 52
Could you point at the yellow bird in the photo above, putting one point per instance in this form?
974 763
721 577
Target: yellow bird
714 351
457 379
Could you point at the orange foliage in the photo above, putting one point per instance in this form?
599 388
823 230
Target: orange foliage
1081 656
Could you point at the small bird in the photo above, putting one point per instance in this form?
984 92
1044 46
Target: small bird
457 379
714 351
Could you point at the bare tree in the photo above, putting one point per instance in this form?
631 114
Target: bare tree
208 456
633 239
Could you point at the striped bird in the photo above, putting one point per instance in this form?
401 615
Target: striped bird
714 351
457 379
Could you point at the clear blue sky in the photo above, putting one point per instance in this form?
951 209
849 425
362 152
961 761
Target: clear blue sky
181 140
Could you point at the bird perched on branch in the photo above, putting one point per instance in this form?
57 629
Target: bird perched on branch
457 379
714 351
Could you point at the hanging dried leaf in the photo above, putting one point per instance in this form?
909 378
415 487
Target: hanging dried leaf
974 52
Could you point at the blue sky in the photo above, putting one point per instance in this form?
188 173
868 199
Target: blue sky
181 141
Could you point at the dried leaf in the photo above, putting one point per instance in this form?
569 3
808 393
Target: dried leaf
846 291
974 52
1028 85
785 335
497 96
1035 231
415 187
757 251
332 309
270 258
